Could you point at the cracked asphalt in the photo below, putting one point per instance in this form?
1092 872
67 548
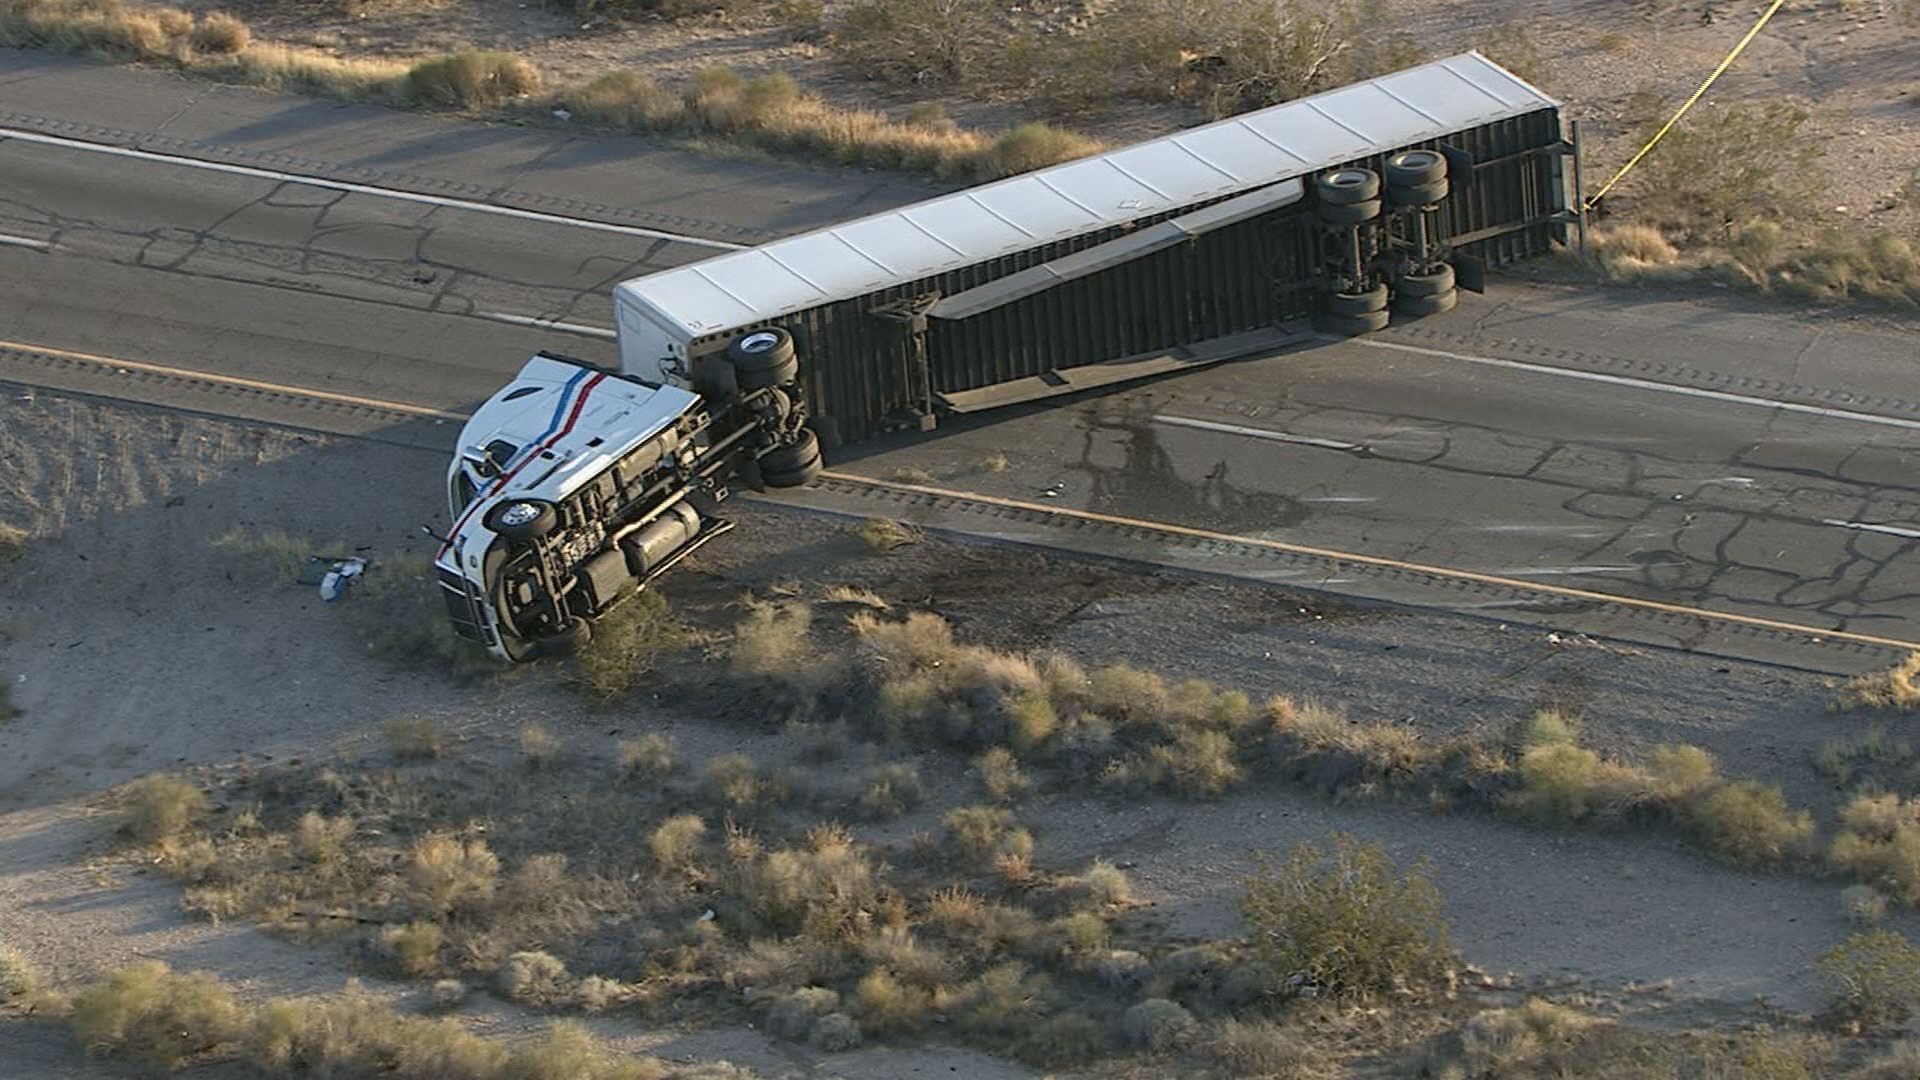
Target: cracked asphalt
1616 441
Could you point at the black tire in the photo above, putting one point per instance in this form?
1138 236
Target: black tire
1419 194
792 466
1343 214
1357 303
763 358
1415 307
1430 284
1344 187
522 521
567 641
1354 325
1414 168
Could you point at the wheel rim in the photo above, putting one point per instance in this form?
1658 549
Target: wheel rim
1416 159
520 514
1346 178
759 343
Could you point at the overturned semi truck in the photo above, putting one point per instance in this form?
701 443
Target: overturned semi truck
575 487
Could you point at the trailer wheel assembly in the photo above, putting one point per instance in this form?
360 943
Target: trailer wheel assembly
523 520
1345 187
1416 178
792 466
1417 306
1344 214
1357 303
566 641
1433 283
1354 325
763 358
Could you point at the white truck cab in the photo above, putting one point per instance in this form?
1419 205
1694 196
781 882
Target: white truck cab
575 487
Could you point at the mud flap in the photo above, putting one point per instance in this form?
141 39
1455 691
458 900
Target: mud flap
1470 272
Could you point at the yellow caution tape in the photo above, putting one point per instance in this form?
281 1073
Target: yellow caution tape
1682 111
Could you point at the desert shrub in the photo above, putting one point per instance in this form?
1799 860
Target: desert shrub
319 840
1517 1041
1198 763
738 783
1863 905
892 790
1558 782
1872 979
1031 721
886 534
17 978
13 542
827 888
1749 822
977 831
1737 162
774 642
1255 1048
448 994
834 1033
999 772
539 746
1679 772
219 32
160 809
1879 840
147 1011
1346 923
414 738
472 78
1002 1002
1106 884
792 1015
446 874
885 1005
1127 694
648 757
915 39
627 99
1156 1024
1082 933
534 978
626 644
1032 146
675 842
1758 248
415 947
1890 689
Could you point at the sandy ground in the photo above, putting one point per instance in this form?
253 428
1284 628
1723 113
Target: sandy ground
133 646
1848 62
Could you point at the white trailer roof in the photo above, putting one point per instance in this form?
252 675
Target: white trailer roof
1296 138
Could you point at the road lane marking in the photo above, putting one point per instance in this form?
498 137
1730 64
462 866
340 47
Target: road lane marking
1862 526
1645 384
1817 633
1257 433
549 324
358 189
117 364
25 242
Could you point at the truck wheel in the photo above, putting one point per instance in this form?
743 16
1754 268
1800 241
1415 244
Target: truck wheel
1354 325
1419 194
1415 306
1429 284
523 521
1344 187
1357 303
792 466
1414 168
764 358
1348 213
566 641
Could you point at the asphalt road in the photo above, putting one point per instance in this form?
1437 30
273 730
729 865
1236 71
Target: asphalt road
1613 442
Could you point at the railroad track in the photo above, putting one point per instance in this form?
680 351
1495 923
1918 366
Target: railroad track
1294 566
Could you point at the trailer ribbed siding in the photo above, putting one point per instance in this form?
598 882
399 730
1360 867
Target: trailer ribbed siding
862 368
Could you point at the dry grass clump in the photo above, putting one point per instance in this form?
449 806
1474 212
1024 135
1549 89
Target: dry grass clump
737 783
148 1012
13 542
415 738
1525 1040
319 840
886 534
627 99
160 809
1863 905
1872 979
415 947
648 757
774 642
1196 763
1106 885
999 772
828 887
627 642
1345 923
1750 822
535 978
219 32
675 842
538 744
892 790
472 78
17 977
1879 841
1890 689
1157 1024
886 1006
1263 1048
445 874
976 832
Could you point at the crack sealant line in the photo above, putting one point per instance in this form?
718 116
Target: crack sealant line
1867 526
1353 558
549 324
1644 384
1256 433
25 242
22 135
